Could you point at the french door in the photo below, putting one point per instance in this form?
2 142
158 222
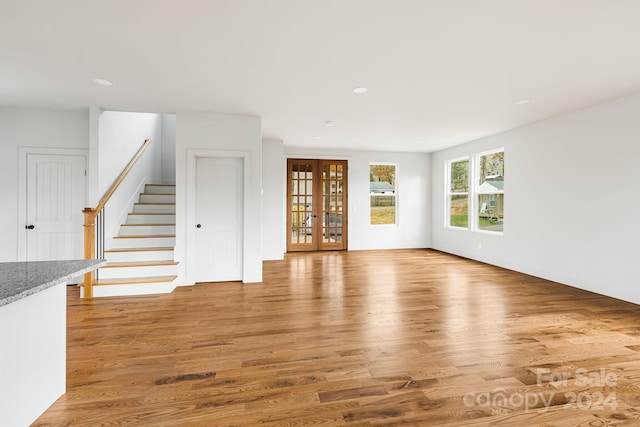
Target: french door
316 205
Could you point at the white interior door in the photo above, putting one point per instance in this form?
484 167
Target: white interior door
56 193
219 219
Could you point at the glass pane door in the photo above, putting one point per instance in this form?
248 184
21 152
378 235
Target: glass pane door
316 204
301 213
333 197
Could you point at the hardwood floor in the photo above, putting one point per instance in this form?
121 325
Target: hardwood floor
413 337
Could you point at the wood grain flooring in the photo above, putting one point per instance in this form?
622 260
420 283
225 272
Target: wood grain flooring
405 337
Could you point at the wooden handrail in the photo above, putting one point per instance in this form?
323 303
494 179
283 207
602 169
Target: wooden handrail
90 215
122 176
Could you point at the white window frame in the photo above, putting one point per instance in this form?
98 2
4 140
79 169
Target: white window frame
395 194
472 195
449 192
475 209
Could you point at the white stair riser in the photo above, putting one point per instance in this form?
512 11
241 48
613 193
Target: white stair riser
138 256
146 230
143 242
138 208
155 270
132 289
157 198
151 219
166 189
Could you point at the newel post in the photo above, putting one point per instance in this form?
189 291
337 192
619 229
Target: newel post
89 248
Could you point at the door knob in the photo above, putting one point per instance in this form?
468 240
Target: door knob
198 226
29 227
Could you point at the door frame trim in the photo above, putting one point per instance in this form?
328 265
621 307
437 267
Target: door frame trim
23 153
190 236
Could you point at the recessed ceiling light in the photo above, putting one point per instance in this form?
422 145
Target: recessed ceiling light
522 101
316 137
360 90
329 123
103 82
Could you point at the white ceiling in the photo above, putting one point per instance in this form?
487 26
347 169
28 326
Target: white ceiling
439 73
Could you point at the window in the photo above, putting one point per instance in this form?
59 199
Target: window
458 193
484 200
490 191
382 193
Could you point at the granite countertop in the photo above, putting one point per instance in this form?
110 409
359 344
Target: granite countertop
21 279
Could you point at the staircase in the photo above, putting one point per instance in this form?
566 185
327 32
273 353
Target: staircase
140 258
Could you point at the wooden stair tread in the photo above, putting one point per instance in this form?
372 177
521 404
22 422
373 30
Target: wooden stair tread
139 263
140 249
158 194
148 225
151 213
153 203
134 280
142 236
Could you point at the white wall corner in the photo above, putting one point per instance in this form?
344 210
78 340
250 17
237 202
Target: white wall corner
93 171
274 168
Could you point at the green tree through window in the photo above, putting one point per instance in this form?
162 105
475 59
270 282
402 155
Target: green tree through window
382 193
458 200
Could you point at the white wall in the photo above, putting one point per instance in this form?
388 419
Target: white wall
273 199
94 157
23 127
220 132
168 148
413 194
571 200
120 136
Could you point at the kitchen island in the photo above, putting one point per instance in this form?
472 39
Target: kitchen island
33 335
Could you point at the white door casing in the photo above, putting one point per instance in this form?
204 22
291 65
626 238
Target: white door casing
53 194
218 219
